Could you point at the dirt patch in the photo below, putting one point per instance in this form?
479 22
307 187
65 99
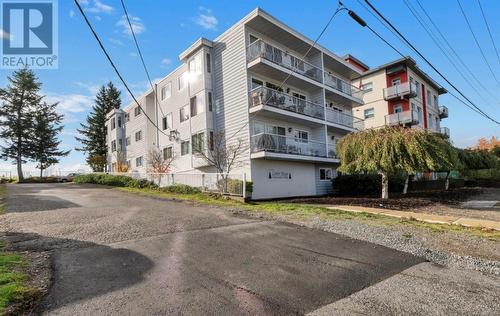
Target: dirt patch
430 202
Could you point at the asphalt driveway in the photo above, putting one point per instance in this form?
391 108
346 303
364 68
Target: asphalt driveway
123 254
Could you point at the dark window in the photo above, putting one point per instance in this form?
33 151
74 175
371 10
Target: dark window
210 101
209 63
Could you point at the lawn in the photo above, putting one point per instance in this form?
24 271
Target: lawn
293 211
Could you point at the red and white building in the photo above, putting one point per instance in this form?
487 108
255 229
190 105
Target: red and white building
399 93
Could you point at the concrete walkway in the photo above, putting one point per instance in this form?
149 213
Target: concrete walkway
429 218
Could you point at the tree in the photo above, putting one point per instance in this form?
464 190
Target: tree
395 150
159 162
45 145
19 99
474 159
93 132
223 156
485 144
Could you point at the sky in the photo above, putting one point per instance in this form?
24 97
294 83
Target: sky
166 28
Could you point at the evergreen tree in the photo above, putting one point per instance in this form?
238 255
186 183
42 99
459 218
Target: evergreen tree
46 127
93 132
19 100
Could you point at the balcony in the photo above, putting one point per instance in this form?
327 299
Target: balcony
332 151
284 147
445 131
283 101
443 112
402 118
341 118
342 86
404 90
281 58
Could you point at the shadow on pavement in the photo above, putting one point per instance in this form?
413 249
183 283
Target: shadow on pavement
82 270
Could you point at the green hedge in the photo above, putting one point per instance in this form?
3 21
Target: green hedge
181 189
364 184
114 180
234 185
41 180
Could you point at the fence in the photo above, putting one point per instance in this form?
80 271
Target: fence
227 184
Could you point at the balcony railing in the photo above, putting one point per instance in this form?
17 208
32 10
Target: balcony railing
405 89
281 100
269 52
443 111
342 86
332 151
287 145
445 131
337 117
402 118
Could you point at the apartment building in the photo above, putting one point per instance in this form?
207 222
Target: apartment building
399 93
253 83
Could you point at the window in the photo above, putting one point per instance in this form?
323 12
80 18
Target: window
396 81
367 87
168 152
278 130
166 91
398 108
198 142
137 111
301 136
253 38
429 99
127 117
119 118
184 147
113 145
138 136
196 108
138 161
120 144
436 104
369 113
182 81
195 65
417 89
211 140
210 104
325 174
273 86
209 62
298 95
184 113
113 123
127 141
167 121
256 83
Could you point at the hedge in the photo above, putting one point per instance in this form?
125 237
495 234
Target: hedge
114 180
364 184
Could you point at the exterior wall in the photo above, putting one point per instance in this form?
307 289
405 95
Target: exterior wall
373 99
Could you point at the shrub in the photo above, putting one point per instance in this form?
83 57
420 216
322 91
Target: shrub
181 189
234 186
114 180
41 180
365 184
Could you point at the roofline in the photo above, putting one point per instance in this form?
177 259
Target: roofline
410 62
197 44
356 60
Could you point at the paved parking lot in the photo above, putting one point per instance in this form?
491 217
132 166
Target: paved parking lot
123 254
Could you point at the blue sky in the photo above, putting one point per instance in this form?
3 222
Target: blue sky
166 28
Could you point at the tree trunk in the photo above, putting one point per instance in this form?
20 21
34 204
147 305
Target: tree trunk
447 181
405 188
385 186
41 173
20 176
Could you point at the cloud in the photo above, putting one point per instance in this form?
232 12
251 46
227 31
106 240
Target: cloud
97 6
91 88
165 62
116 42
206 19
71 13
136 22
70 103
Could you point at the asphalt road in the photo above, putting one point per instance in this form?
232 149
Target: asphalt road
122 254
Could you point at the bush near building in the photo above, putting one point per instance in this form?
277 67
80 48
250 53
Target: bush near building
364 184
114 180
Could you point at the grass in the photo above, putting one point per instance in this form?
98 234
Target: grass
305 212
14 287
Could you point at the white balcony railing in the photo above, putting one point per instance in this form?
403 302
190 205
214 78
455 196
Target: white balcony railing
287 145
341 118
281 100
405 89
402 118
443 111
445 131
269 52
342 86
332 151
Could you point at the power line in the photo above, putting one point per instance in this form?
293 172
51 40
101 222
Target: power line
113 64
489 31
141 56
441 47
340 8
460 60
429 63
477 42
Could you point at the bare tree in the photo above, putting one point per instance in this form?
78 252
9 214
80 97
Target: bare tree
159 163
219 154
121 162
